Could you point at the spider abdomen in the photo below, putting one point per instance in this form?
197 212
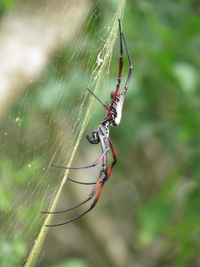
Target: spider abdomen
116 109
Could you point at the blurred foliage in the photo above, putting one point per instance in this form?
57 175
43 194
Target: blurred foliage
72 263
6 5
157 141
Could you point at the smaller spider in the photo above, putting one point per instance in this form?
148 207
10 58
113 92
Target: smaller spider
101 135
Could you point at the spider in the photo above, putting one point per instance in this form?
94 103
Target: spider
101 135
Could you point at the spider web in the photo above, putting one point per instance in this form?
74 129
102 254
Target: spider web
45 116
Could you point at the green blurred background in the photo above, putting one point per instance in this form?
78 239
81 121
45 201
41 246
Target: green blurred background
149 212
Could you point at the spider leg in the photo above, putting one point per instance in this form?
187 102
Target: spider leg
99 192
83 167
105 106
104 179
120 63
130 64
107 174
114 161
83 183
92 141
82 214
89 209
83 202
103 171
121 60
69 221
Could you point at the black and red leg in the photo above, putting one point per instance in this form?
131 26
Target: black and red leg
106 177
130 65
83 167
113 94
99 180
105 106
121 59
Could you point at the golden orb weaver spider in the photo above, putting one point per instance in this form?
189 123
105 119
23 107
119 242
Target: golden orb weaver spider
101 135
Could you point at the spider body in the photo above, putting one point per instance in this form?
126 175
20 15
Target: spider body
102 135
116 108
112 119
